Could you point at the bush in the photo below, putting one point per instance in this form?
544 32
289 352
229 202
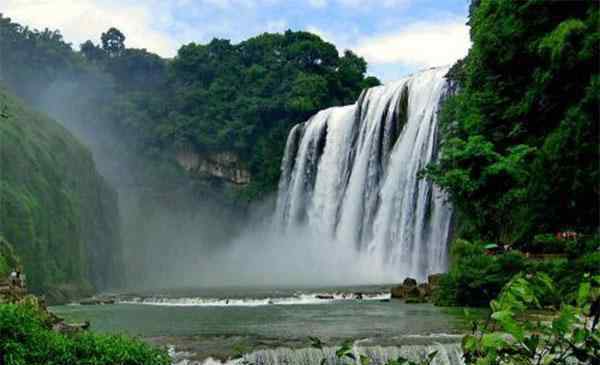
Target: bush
475 277
26 338
571 337
546 243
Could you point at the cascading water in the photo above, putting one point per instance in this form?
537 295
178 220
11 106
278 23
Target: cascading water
350 174
447 354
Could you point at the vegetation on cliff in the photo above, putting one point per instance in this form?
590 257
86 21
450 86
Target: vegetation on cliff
8 258
241 98
520 153
520 157
55 209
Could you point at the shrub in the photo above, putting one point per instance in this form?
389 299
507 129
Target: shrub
475 277
570 337
27 339
546 243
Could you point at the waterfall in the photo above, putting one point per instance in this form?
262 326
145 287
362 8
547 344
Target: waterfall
350 175
447 354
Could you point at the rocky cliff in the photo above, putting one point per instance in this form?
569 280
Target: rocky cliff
55 209
224 166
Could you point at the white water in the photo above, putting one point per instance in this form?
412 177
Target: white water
448 354
350 176
300 299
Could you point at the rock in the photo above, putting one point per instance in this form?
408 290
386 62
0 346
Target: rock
409 282
325 296
66 328
407 289
226 166
434 279
424 290
97 301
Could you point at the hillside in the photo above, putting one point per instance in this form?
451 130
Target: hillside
55 209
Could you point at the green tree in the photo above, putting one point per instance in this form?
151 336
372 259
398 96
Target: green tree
113 42
520 152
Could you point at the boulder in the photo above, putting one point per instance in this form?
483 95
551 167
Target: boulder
97 301
65 328
424 290
325 296
406 290
434 279
409 282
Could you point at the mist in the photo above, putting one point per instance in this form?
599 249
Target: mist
178 232
166 217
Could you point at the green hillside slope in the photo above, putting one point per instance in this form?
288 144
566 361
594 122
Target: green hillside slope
55 209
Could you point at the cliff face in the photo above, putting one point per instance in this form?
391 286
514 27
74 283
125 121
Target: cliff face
57 211
225 166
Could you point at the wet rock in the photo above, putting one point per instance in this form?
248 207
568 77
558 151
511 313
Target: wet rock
325 296
434 279
424 290
66 328
97 301
407 289
409 282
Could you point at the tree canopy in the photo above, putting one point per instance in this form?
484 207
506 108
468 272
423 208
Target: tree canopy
520 153
211 97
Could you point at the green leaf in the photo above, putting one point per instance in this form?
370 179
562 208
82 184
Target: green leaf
494 340
532 343
509 324
562 324
364 360
469 343
583 293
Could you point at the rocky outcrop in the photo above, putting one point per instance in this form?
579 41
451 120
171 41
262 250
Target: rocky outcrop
412 292
226 166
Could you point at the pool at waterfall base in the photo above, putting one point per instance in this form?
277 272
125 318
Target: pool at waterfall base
273 325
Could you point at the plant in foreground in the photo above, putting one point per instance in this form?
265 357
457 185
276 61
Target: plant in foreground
512 336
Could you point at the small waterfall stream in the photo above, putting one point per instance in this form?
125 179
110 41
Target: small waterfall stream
350 174
447 354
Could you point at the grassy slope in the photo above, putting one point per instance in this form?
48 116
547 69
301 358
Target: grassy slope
54 207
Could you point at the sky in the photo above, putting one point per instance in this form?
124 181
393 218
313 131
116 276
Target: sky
396 37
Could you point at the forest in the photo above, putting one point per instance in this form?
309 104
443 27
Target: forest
214 97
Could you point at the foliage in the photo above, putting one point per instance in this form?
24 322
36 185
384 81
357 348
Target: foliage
520 135
8 258
509 337
246 97
476 277
55 208
241 98
26 337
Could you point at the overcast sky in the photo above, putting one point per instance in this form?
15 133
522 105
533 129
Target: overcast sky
396 37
